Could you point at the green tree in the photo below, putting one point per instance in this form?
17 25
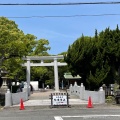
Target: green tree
96 59
14 44
41 47
79 57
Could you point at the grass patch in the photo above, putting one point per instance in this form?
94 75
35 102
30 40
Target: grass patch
110 99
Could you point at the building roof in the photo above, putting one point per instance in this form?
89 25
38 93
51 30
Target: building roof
69 76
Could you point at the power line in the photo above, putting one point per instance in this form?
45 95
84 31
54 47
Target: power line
44 4
65 16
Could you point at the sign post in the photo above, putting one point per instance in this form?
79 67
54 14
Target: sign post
59 99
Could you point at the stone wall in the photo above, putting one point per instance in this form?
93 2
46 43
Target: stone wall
96 96
14 98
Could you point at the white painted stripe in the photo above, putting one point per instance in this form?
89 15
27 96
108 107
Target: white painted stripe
58 118
87 116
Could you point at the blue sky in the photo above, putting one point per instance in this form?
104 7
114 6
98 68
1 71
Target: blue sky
61 31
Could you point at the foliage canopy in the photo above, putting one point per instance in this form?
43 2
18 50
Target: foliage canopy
95 59
14 44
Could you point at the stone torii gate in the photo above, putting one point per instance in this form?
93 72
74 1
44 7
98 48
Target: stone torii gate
28 64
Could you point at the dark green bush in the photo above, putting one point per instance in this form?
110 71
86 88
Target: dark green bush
2 99
14 88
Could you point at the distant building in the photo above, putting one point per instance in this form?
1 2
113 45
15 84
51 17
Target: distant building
71 79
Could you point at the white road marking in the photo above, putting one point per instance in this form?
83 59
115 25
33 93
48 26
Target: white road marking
84 116
58 118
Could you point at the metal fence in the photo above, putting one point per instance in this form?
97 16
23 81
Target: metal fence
109 90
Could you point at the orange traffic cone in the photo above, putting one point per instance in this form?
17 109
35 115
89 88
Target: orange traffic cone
21 105
89 103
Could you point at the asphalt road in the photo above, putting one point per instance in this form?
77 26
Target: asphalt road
109 112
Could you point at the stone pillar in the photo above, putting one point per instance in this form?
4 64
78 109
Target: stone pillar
25 89
4 82
28 75
56 75
82 89
71 89
75 84
101 95
8 98
75 88
28 72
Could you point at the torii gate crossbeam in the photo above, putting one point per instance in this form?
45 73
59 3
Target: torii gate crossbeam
28 64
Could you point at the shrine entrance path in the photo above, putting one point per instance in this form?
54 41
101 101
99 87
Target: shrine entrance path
44 94
42 98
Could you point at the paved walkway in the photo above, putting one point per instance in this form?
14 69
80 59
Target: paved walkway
42 98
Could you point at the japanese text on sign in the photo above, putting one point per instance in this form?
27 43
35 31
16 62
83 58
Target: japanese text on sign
60 100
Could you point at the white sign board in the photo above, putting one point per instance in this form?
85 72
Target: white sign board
59 100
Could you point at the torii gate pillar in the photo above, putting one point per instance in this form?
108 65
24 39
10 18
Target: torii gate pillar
56 75
28 72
